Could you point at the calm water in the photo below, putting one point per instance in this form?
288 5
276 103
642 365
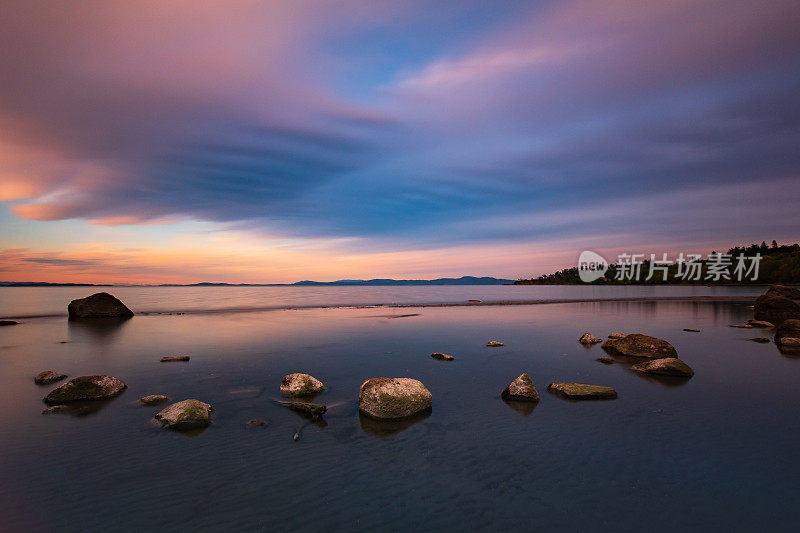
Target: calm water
716 452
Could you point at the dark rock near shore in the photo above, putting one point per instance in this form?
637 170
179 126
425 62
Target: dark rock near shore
742 326
606 360
787 292
393 398
638 345
86 388
762 340
173 358
775 309
617 335
153 399
588 338
442 356
690 330
789 329
301 385
186 414
314 410
47 377
761 324
521 389
100 305
668 366
583 391
8 322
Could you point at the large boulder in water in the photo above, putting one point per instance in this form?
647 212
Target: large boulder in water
638 345
669 366
521 389
100 305
789 329
393 398
787 292
86 388
301 385
775 309
188 414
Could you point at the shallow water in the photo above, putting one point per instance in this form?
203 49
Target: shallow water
37 301
714 452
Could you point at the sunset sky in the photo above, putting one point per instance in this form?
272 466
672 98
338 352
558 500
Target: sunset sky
184 141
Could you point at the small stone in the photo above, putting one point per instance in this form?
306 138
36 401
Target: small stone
742 326
494 344
583 391
617 335
762 340
8 322
172 358
521 389
301 385
47 377
606 360
186 414
153 399
588 338
691 330
442 356
668 366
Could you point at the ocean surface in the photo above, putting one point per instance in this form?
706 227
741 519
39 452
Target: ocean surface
715 452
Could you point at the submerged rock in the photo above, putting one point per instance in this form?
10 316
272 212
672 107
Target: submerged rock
787 292
186 414
775 309
789 329
57 409
173 358
760 324
8 322
153 399
617 335
256 423
638 345
315 410
494 344
47 377
588 338
606 360
762 340
583 391
393 398
521 389
442 356
100 305
301 385
86 388
668 366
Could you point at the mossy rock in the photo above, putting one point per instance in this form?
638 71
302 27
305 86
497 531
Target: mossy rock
86 388
393 398
521 389
186 414
301 385
582 391
638 345
668 366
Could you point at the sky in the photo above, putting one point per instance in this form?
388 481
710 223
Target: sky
272 141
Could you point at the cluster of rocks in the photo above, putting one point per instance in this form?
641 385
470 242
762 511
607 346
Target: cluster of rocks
662 357
779 308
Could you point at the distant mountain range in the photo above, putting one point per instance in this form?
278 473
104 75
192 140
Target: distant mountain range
464 280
